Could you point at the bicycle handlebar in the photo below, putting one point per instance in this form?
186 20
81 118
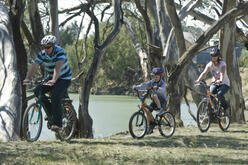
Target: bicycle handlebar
147 92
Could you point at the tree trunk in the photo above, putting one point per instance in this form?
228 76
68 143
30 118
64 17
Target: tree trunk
36 25
10 86
187 57
54 19
144 61
234 96
85 121
19 47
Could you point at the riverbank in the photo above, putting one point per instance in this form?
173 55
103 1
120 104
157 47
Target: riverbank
186 146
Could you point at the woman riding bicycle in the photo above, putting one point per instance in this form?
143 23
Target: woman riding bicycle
58 78
221 82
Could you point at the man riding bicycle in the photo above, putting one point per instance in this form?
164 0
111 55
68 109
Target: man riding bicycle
221 81
58 78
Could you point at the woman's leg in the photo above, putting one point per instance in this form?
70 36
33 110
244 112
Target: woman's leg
222 89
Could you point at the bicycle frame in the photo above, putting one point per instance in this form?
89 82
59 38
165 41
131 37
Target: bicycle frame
209 95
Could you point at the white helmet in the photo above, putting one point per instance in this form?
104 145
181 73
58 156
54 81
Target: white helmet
49 39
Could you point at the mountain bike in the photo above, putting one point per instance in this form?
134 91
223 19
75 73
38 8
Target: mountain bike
33 119
210 109
138 123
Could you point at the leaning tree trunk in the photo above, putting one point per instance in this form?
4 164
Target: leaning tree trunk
10 86
187 57
85 121
19 47
143 56
234 96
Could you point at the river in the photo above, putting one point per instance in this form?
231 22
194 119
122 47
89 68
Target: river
111 113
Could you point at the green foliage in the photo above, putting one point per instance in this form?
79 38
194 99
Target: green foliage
119 63
243 60
68 34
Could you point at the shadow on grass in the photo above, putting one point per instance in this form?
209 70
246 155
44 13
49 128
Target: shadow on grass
178 141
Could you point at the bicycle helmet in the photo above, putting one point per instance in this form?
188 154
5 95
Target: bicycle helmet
157 71
48 39
215 52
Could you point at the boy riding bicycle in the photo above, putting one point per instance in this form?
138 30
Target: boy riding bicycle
158 89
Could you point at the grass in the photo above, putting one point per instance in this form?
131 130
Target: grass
186 146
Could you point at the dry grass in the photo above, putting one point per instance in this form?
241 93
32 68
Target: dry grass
186 146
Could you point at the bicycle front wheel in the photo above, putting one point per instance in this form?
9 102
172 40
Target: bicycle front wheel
224 119
167 124
69 122
138 125
32 123
203 116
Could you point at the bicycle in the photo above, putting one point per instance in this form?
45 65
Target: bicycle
33 119
209 109
138 124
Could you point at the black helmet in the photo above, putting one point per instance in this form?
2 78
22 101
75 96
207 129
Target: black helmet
157 71
215 52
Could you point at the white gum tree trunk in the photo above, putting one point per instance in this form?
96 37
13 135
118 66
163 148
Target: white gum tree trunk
228 41
10 86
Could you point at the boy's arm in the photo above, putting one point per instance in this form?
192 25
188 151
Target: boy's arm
145 85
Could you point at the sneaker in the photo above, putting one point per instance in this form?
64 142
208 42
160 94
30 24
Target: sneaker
55 128
160 112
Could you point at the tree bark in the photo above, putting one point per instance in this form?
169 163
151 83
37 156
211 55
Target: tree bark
228 42
144 61
35 20
85 121
16 18
54 19
10 86
201 41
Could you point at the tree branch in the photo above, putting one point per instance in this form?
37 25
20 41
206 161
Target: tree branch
202 40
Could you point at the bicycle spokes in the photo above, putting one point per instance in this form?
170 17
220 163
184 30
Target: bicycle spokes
138 125
32 122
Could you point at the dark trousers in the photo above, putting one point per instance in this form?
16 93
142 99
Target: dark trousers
57 91
220 90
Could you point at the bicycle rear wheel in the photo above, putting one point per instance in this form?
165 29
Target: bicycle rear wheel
32 123
224 119
203 116
138 125
167 124
69 122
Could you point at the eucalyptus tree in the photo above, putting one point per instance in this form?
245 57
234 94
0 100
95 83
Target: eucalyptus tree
99 50
187 56
16 12
228 44
157 36
10 86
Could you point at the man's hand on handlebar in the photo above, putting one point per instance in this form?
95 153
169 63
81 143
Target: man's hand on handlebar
50 83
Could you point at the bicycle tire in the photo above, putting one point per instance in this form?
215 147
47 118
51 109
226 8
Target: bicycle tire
32 112
203 112
224 119
141 124
69 123
167 122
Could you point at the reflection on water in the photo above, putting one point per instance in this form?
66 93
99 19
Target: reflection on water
111 114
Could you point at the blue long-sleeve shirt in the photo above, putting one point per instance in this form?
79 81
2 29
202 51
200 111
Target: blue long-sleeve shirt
161 91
